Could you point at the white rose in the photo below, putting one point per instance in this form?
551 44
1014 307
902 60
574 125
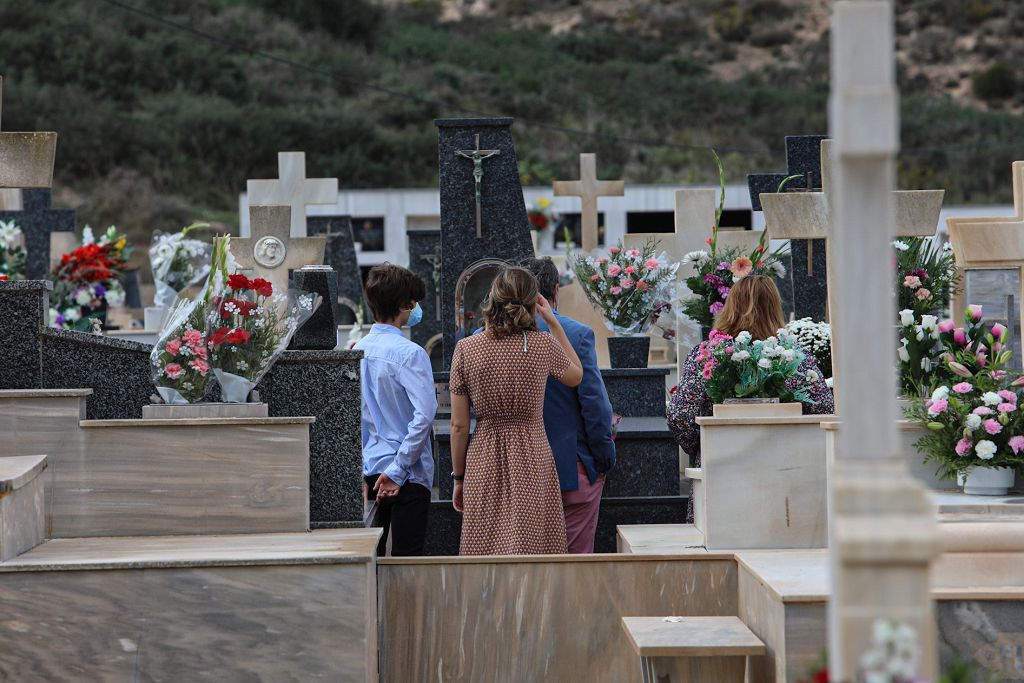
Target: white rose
83 297
740 356
72 315
906 317
991 398
942 393
985 449
788 354
929 322
926 364
743 337
973 422
901 245
904 354
764 363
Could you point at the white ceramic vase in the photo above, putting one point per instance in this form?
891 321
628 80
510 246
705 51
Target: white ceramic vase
987 481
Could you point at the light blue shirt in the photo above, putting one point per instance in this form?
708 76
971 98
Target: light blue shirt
399 405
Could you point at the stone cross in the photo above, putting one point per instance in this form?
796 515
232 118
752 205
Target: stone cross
882 525
43 227
477 156
26 159
993 242
292 188
271 252
588 188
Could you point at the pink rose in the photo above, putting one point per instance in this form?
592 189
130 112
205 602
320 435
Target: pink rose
960 337
616 290
595 278
1017 444
974 312
963 388
1007 396
963 447
630 270
993 426
936 407
922 294
652 263
200 366
999 331
946 326
614 250
912 281
174 346
193 338
626 283
982 410
173 370
614 270
1006 407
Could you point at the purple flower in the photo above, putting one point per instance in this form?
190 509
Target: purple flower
723 291
98 290
716 308
723 265
714 280
918 272
59 320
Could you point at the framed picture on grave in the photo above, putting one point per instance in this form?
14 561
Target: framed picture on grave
471 290
368 232
995 290
573 222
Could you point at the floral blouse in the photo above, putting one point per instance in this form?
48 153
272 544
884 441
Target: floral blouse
690 401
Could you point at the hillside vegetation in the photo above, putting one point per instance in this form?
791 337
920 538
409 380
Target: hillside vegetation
161 124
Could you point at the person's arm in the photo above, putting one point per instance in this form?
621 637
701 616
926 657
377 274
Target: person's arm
418 382
595 408
689 402
573 375
460 444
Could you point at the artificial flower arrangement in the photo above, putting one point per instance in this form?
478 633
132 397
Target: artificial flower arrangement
178 262
13 260
742 367
926 275
542 215
816 339
89 280
631 288
972 421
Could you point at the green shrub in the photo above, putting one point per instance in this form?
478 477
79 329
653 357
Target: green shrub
996 82
732 23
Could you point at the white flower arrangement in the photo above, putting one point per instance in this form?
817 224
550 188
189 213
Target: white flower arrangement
894 654
814 338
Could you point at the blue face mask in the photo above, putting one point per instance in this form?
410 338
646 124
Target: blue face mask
416 316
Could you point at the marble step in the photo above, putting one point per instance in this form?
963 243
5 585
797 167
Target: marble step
22 504
647 459
273 607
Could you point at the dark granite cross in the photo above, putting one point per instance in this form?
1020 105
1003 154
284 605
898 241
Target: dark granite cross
340 255
38 221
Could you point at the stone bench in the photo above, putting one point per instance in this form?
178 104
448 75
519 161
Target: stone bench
692 649
22 510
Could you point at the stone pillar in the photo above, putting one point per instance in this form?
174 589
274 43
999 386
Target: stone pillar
24 311
882 527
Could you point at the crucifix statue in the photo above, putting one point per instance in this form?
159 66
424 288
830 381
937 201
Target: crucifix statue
477 156
435 262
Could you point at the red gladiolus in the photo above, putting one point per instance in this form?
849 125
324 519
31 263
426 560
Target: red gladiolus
261 286
238 281
707 241
237 336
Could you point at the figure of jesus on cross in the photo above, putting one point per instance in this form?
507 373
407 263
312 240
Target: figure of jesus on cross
477 156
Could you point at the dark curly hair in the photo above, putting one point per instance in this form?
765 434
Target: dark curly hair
512 302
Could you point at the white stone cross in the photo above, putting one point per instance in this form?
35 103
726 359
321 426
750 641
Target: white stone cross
26 159
882 525
292 188
992 242
588 188
270 252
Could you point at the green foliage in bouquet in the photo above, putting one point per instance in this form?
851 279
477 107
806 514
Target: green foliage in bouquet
926 275
745 368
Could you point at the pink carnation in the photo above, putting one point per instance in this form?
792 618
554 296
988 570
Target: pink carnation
633 253
174 346
652 263
992 426
200 366
616 290
595 277
1006 407
963 447
982 410
922 294
614 250
614 270
642 286
173 370
1017 444
963 388
626 283
936 407
602 260
1007 395
193 338
630 270
200 351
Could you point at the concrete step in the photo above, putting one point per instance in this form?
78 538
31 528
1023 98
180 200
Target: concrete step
22 504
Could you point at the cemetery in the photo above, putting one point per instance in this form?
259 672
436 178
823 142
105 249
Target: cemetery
182 492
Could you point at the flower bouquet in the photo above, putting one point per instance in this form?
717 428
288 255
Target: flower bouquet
178 262
542 215
248 328
180 360
13 260
816 339
744 368
88 280
926 275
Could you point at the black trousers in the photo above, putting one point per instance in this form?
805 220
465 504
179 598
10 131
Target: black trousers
404 517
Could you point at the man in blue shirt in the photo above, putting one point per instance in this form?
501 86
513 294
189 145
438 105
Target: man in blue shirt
578 422
399 404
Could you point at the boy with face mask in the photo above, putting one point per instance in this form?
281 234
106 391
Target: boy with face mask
399 405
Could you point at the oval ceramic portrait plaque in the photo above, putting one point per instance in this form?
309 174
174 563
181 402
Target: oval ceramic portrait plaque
269 252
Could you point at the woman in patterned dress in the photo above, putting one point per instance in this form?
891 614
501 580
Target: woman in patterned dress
510 502
753 305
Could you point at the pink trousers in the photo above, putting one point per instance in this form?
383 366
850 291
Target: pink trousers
581 508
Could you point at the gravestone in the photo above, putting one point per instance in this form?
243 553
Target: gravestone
807 275
340 254
26 159
24 308
320 332
425 261
479 196
270 253
292 188
39 222
588 188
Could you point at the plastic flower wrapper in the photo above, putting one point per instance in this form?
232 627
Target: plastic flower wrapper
178 262
631 288
180 360
249 328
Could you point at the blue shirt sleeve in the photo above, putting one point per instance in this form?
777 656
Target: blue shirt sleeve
417 378
595 407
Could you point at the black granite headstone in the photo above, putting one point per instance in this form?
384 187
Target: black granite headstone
37 220
505 228
341 255
132 294
808 272
24 308
320 332
425 261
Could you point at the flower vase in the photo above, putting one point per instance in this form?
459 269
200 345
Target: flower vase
629 352
987 481
233 389
756 407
